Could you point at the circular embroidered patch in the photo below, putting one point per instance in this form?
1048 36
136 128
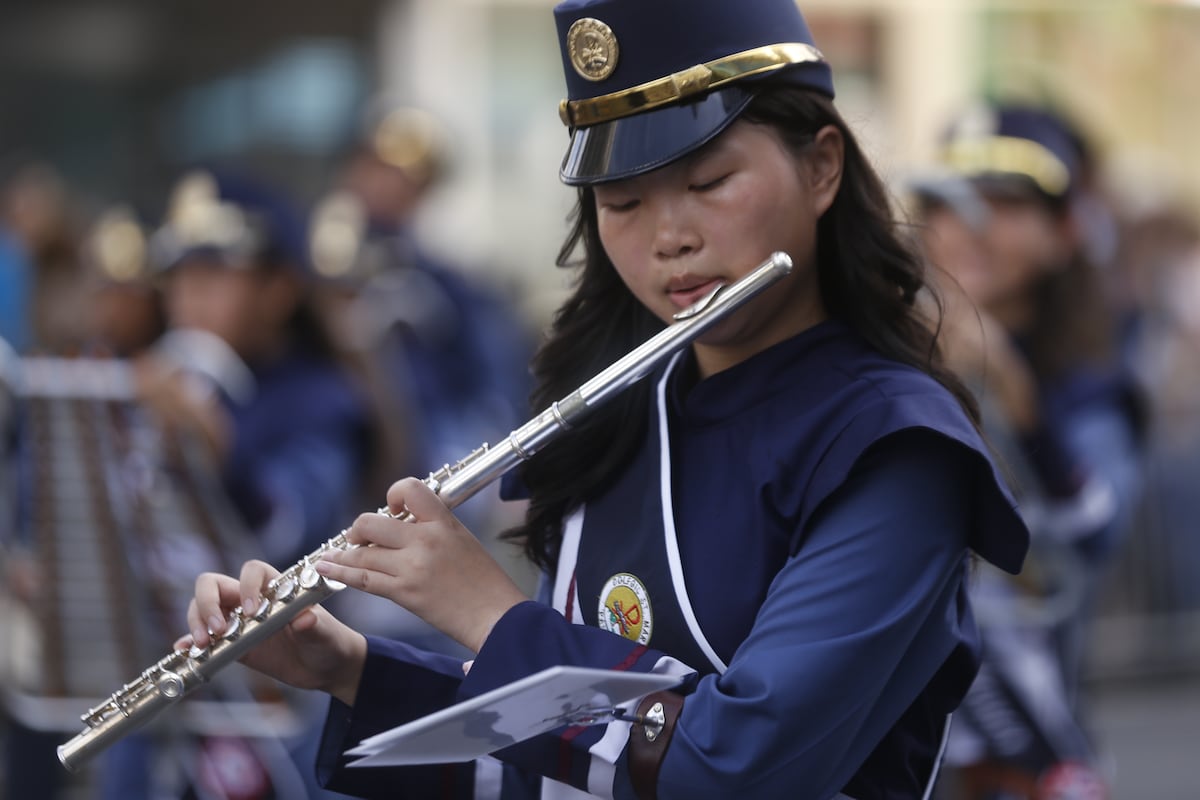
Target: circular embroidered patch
625 608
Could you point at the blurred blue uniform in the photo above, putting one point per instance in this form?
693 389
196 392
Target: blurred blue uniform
298 429
447 359
16 276
840 548
453 348
299 445
1078 472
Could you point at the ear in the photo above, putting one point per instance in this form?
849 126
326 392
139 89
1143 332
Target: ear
825 158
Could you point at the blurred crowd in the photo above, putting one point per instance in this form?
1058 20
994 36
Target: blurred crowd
280 362
1066 308
303 354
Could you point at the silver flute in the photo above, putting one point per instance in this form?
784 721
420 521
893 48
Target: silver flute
301 586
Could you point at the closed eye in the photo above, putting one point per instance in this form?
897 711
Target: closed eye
709 185
620 206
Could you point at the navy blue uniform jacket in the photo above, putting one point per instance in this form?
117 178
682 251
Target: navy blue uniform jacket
793 541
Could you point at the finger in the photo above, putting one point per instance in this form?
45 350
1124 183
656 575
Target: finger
214 594
195 626
417 498
377 529
254 579
380 558
366 580
305 621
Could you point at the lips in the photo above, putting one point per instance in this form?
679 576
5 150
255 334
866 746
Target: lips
685 290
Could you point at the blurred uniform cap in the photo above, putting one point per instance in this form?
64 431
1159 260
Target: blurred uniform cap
412 140
648 83
115 248
942 187
230 219
340 247
1013 146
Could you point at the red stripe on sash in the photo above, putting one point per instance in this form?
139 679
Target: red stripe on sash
564 751
569 605
632 658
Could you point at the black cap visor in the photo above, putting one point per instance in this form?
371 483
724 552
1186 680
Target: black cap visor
623 148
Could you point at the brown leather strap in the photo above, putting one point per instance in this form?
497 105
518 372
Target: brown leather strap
648 742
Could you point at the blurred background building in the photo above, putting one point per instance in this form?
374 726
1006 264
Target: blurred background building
115 98
120 94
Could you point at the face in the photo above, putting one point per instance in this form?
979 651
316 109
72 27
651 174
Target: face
246 307
955 248
125 318
1024 241
676 233
389 195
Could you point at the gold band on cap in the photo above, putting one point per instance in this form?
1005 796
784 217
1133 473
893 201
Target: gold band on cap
1009 154
679 85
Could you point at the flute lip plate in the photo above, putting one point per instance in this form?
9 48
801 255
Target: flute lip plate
698 306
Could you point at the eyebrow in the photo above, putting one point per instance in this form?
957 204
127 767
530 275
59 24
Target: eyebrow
707 150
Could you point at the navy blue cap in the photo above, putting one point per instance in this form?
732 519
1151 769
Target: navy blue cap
232 219
1015 145
648 83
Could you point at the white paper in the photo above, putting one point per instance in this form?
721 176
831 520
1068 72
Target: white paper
512 713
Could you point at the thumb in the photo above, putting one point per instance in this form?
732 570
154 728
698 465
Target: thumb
305 622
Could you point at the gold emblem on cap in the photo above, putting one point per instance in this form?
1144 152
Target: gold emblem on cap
336 234
593 48
117 245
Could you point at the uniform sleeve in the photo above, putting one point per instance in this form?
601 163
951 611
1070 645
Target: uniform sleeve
399 683
853 629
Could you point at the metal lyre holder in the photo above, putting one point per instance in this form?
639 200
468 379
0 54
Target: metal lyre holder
301 586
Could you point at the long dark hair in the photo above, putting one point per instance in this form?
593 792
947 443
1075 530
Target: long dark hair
867 276
1073 322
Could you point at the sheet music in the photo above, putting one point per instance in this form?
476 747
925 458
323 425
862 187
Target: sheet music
512 713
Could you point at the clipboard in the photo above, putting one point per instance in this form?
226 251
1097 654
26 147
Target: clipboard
553 698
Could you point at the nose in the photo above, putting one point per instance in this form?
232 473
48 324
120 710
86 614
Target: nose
675 232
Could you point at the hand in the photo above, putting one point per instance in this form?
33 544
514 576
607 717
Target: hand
313 651
183 402
429 564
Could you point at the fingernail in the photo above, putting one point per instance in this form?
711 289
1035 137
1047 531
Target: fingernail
323 567
198 636
216 624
